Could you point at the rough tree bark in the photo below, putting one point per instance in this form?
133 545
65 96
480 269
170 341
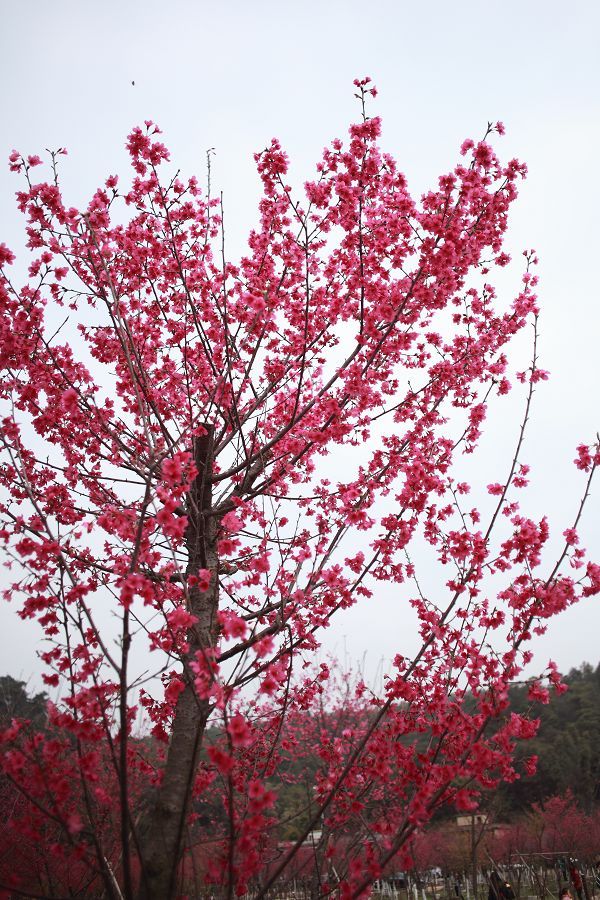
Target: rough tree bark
163 846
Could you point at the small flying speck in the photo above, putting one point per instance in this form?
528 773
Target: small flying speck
133 83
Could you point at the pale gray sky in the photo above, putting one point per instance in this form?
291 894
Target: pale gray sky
232 74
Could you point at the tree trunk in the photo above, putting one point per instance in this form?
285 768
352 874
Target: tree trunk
163 845
474 844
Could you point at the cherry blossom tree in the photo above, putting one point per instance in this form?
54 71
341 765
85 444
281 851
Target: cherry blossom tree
204 461
559 826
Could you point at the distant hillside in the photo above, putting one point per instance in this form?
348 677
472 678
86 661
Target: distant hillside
567 744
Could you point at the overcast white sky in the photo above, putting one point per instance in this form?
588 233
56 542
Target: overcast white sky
234 73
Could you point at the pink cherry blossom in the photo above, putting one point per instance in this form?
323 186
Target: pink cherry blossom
212 457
